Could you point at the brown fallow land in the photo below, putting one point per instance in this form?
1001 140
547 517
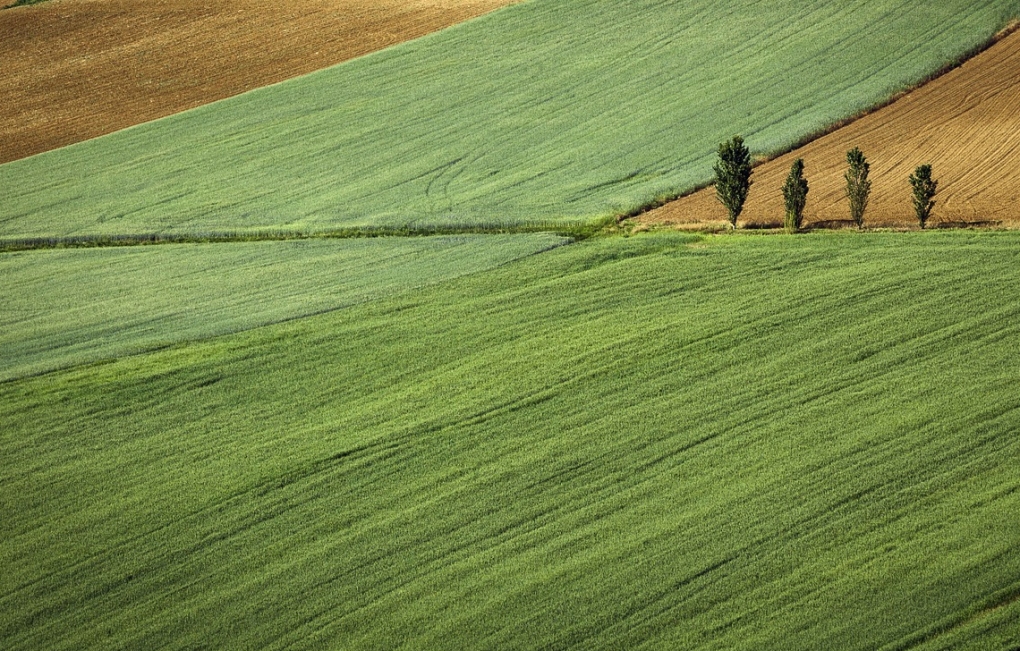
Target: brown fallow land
966 123
76 69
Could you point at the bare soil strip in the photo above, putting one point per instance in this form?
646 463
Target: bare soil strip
966 124
77 69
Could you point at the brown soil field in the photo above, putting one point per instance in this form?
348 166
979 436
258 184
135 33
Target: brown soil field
77 69
965 123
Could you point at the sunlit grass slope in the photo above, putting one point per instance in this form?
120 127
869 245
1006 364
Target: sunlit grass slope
68 306
648 443
550 111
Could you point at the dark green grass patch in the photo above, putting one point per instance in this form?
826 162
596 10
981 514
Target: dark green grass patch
551 110
73 306
653 442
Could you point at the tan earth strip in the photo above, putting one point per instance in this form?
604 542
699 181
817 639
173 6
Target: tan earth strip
966 124
71 70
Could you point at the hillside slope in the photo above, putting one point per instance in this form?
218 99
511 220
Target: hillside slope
966 124
654 442
548 111
77 69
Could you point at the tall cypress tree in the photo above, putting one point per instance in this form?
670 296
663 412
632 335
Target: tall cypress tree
924 188
795 195
733 177
858 187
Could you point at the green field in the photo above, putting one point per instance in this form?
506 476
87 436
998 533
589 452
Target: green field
515 441
71 306
552 111
654 442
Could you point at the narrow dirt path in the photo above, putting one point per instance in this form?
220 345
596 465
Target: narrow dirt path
966 124
77 69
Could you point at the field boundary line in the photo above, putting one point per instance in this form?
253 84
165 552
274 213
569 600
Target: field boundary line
576 231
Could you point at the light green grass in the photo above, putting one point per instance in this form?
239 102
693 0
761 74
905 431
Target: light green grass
71 306
566 110
660 442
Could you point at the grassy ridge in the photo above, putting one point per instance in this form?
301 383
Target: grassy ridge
114 302
551 110
654 442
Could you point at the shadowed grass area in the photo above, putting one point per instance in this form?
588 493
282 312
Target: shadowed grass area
23 3
553 110
72 306
661 441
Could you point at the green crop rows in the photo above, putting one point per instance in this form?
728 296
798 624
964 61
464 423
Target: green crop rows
648 442
550 111
70 306
660 441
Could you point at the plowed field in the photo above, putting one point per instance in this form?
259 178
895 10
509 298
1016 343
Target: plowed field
965 123
77 69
